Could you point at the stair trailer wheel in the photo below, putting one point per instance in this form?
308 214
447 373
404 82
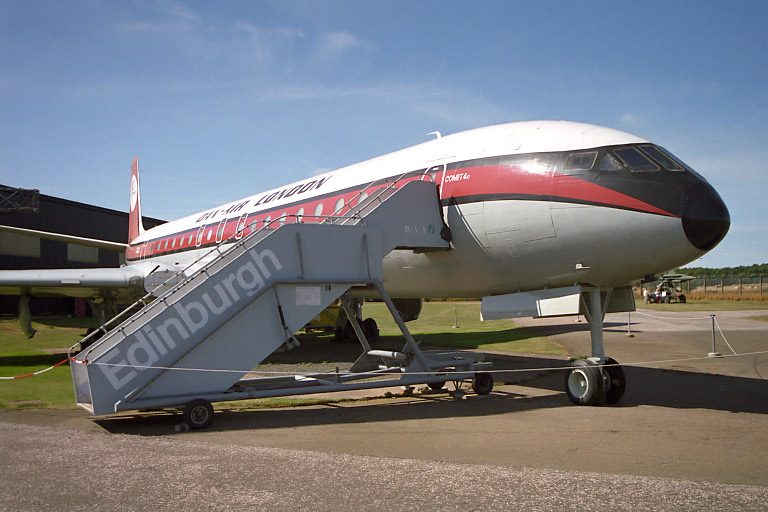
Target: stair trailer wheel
483 383
198 413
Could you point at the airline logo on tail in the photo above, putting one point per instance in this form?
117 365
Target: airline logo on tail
134 192
135 227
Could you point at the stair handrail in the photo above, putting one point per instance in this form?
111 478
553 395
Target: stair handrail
145 300
390 181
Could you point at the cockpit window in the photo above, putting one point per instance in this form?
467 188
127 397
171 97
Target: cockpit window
661 157
635 160
609 163
581 161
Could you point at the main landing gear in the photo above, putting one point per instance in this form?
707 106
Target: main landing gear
596 380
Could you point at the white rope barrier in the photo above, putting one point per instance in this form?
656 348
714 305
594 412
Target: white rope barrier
537 369
670 318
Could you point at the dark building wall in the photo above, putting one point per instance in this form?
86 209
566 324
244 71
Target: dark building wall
71 218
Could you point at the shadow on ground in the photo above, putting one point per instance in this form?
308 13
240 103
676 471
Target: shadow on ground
646 387
33 360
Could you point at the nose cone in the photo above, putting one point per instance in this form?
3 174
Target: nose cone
705 217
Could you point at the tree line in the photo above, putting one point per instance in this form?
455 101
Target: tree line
751 270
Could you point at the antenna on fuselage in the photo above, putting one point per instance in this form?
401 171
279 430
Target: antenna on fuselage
435 133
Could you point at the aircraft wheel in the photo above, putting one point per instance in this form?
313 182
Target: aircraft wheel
483 383
584 383
371 330
198 413
345 334
617 382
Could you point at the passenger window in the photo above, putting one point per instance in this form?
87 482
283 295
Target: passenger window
609 163
299 215
318 211
339 205
581 161
635 160
661 157
267 222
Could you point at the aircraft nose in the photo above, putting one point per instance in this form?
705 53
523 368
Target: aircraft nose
705 217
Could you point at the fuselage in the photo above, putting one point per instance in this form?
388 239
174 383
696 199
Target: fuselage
529 205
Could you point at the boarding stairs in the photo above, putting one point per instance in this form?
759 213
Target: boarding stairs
202 335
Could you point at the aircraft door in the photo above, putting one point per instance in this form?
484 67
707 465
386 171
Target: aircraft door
518 225
220 230
240 228
199 236
522 211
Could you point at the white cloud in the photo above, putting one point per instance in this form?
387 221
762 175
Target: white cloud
167 16
251 42
333 45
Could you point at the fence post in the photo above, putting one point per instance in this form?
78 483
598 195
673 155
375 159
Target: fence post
705 286
741 292
722 286
714 352
761 285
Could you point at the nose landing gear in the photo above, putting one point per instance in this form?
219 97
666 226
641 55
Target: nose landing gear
596 380
590 383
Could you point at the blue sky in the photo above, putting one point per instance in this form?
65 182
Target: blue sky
223 99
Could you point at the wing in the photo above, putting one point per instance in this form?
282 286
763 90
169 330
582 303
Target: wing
123 284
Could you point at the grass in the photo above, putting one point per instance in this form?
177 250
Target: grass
21 356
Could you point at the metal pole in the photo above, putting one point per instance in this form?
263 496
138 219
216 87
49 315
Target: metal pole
629 325
714 352
455 318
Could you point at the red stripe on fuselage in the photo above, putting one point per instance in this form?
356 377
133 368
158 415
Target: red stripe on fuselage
490 180
516 181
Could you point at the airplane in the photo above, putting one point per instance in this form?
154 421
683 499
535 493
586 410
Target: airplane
544 218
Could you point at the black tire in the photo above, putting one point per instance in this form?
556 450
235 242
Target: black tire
584 383
682 299
616 382
436 386
198 413
483 383
371 330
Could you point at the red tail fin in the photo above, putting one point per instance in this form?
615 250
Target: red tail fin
135 226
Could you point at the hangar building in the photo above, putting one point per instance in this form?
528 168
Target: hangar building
29 209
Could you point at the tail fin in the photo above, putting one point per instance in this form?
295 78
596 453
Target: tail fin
135 226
